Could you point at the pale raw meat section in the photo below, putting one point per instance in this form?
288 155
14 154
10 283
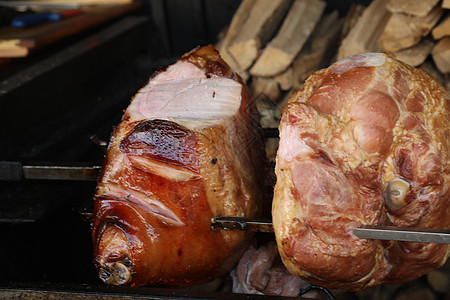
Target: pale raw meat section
366 142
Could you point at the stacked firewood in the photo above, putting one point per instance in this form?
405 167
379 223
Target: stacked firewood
414 30
276 44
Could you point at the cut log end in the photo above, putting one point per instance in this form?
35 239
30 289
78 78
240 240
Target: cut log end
245 53
417 54
272 62
417 8
441 55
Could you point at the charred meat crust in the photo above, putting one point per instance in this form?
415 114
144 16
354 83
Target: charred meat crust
163 141
209 60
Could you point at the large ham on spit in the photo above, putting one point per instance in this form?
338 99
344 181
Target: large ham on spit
189 148
366 142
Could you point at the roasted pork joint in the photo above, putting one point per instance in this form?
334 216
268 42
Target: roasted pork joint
189 148
366 142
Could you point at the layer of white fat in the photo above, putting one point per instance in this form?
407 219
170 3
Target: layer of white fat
184 91
168 171
370 59
147 202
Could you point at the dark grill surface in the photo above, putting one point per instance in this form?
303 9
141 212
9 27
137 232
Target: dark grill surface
103 292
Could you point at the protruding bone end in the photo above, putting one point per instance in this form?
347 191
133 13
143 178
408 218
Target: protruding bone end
113 259
396 193
115 273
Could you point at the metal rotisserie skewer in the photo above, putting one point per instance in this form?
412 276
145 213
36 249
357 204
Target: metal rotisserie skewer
377 232
16 171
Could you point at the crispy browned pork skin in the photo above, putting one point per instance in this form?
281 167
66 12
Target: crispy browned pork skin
189 147
367 141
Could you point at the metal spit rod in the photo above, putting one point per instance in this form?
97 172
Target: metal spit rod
377 232
14 171
10 170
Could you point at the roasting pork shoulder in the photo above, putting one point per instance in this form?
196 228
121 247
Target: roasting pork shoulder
189 148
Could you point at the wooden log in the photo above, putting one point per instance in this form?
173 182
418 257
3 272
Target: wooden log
239 18
294 32
445 4
363 37
328 29
285 79
403 31
355 11
265 86
304 66
441 55
442 29
417 54
317 52
257 29
417 8
320 48
429 67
